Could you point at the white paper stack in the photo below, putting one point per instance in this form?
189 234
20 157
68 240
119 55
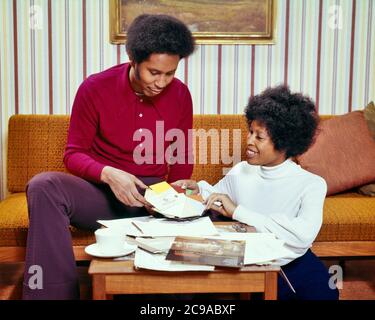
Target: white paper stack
126 225
154 245
168 228
261 248
157 262
157 235
152 227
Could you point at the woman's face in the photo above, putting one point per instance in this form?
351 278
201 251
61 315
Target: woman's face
260 148
153 75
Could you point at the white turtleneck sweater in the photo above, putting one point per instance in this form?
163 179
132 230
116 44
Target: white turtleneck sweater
285 200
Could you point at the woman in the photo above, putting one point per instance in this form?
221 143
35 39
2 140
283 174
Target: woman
272 193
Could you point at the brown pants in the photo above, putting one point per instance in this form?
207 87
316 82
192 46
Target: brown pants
56 200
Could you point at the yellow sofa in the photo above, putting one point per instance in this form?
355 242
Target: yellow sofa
36 144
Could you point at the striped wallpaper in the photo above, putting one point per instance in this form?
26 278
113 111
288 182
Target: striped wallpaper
324 48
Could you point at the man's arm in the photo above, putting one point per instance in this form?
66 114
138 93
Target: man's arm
185 158
82 130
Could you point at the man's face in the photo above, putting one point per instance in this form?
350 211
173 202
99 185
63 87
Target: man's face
153 75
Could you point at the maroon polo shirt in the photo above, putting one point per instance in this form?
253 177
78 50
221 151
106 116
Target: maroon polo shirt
109 122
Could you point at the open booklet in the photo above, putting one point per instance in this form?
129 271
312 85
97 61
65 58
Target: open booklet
171 204
205 251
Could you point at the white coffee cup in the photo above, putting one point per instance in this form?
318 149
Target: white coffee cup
110 241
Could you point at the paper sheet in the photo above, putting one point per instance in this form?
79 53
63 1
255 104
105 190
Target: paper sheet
152 227
167 228
160 187
154 245
150 261
263 252
125 225
261 248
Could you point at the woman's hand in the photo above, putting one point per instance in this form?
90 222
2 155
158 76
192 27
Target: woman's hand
227 206
124 186
187 184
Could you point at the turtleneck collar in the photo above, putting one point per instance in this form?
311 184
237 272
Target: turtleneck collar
281 170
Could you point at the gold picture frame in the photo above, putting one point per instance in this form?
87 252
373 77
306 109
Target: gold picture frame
211 21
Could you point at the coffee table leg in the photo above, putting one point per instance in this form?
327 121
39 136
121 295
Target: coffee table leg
270 286
245 296
98 287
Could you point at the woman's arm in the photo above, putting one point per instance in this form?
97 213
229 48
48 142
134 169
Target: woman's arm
298 232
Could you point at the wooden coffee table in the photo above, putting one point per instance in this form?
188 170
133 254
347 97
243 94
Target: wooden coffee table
120 277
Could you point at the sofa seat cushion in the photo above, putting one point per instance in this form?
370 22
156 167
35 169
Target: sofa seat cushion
348 217
14 223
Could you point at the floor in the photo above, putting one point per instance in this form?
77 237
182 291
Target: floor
358 280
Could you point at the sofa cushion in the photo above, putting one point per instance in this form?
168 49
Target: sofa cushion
347 217
36 144
369 113
14 224
343 153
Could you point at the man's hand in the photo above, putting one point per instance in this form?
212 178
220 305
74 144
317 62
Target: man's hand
187 184
151 209
124 186
227 206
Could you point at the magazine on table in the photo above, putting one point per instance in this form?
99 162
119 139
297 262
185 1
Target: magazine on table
206 251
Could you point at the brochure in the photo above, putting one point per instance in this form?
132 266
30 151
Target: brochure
171 204
205 251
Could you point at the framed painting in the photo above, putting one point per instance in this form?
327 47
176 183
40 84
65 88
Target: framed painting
211 21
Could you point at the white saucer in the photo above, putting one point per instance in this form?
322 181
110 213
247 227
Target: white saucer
93 250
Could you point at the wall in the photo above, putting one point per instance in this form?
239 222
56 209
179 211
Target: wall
41 67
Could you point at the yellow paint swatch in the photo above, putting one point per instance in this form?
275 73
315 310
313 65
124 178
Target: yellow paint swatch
160 187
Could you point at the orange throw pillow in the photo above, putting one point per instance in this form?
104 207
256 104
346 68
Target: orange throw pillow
343 153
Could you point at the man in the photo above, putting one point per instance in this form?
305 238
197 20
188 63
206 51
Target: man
111 113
